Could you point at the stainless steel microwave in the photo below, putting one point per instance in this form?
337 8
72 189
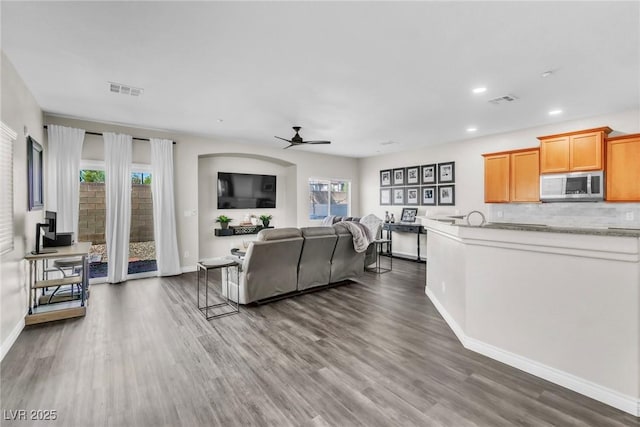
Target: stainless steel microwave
572 187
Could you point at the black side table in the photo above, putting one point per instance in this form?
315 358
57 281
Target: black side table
214 264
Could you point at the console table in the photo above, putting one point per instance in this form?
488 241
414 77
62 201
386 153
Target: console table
236 230
390 227
39 311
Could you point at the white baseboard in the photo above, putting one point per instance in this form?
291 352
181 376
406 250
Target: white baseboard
189 269
11 339
595 391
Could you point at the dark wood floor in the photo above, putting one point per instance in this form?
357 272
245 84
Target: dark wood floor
374 353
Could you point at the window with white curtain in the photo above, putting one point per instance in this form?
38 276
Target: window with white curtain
329 197
7 140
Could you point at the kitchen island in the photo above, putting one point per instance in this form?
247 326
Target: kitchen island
558 302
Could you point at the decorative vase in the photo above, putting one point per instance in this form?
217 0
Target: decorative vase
224 225
265 223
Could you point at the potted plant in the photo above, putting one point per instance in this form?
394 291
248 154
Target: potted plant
265 220
224 221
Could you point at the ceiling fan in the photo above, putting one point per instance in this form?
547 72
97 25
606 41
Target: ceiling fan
297 139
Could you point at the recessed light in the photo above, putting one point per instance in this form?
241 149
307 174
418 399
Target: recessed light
481 89
546 73
555 112
472 129
220 120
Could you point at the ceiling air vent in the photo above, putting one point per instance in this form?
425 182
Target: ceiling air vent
125 89
503 99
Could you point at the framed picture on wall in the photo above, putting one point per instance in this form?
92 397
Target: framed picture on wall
398 196
446 173
413 175
385 196
428 195
398 176
413 195
385 178
34 172
447 195
428 174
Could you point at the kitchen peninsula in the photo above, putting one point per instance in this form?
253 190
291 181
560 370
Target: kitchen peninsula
560 303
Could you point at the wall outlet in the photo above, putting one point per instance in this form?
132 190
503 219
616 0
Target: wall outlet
186 254
444 288
629 216
499 214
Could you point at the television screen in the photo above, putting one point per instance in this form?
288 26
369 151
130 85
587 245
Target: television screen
246 191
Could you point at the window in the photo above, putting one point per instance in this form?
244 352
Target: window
7 140
329 197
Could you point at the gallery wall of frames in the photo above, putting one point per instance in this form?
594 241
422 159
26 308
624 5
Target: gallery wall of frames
426 185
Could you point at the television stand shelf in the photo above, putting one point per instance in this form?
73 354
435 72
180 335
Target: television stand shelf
237 230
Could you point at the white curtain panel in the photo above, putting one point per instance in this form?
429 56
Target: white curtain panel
164 213
117 156
63 183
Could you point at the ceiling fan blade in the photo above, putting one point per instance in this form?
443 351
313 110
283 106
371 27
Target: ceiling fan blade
289 146
283 139
317 142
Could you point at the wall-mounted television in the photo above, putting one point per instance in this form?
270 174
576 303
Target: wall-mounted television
246 191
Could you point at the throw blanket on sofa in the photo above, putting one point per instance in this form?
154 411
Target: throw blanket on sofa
361 234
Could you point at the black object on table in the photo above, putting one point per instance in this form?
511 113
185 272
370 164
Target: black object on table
213 264
390 227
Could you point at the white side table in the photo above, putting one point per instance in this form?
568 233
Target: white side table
214 264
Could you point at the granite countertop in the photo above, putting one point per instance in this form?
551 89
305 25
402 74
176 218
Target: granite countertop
616 232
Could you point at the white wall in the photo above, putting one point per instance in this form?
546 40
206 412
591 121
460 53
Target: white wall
469 174
19 109
284 214
189 149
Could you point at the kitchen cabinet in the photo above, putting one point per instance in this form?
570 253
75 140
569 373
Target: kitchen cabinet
623 169
573 151
512 176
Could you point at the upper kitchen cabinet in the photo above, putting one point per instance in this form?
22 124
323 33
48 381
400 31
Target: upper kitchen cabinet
512 176
623 168
573 151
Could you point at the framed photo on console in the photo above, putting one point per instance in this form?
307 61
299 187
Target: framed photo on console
413 175
398 196
409 215
385 178
385 196
428 195
447 173
413 196
447 195
428 174
398 176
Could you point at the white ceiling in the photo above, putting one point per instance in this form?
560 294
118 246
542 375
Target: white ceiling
357 73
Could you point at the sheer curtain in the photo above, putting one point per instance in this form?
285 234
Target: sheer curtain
117 156
164 214
63 183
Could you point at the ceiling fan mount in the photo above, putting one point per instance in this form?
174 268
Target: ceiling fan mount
297 139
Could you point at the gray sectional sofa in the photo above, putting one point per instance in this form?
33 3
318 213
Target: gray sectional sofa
291 260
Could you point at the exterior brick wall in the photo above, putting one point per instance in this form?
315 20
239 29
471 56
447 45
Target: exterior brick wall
91 221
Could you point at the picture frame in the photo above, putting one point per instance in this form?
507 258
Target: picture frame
385 196
413 196
428 195
428 174
35 161
446 173
398 176
398 196
447 195
385 178
409 215
413 175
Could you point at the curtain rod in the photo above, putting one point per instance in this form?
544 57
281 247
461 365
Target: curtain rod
100 134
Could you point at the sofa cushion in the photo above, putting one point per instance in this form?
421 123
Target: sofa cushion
278 233
317 231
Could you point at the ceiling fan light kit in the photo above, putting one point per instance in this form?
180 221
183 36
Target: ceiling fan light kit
297 139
